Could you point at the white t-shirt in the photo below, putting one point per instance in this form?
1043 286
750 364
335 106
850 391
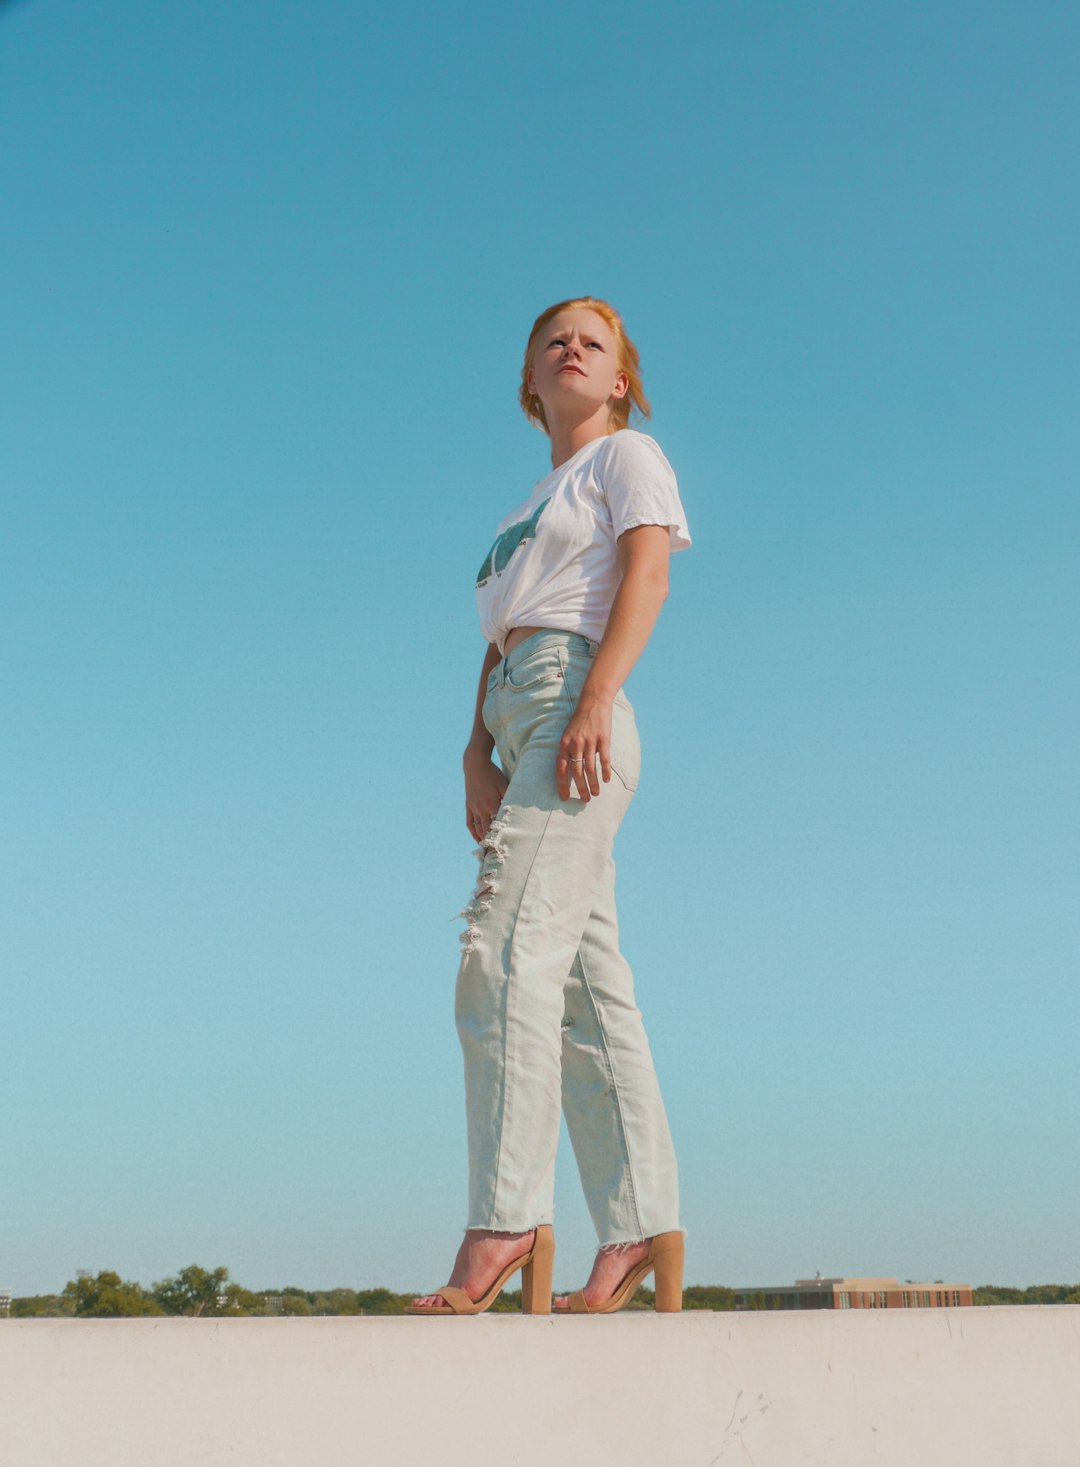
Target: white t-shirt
554 561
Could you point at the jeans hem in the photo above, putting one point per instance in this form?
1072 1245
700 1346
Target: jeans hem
640 1238
506 1232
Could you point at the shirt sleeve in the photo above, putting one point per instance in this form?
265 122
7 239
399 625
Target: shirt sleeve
640 487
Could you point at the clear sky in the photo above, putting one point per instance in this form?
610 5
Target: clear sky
266 273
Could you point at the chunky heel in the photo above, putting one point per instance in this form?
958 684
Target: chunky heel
668 1252
536 1273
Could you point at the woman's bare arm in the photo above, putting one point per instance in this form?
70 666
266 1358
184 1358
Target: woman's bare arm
485 783
644 553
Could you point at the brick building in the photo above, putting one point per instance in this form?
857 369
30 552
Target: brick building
822 1293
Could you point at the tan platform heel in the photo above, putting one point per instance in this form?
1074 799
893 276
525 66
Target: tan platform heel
536 1267
664 1260
536 1274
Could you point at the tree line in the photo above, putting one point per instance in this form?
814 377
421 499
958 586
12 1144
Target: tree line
1036 1294
210 1294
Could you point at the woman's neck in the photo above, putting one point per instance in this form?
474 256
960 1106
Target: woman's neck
568 436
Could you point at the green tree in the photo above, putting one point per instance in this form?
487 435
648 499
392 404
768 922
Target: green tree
996 1294
295 1301
708 1296
42 1306
334 1301
381 1301
1035 1294
108 1297
1046 1293
193 1291
239 1300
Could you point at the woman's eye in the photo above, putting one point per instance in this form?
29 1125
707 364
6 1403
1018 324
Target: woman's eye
596 344
557 341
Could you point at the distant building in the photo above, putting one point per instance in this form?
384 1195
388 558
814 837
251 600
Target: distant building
5 1301
822 1293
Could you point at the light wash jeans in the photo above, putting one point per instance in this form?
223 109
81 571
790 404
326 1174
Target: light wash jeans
545 1001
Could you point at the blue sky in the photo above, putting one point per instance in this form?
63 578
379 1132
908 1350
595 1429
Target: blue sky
267 273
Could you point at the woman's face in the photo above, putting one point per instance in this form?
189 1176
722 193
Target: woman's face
574 366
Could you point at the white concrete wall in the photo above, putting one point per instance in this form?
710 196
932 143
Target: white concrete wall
991 1387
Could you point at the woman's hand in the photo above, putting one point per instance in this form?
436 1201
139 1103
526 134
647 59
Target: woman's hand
643 571
586 739
485 785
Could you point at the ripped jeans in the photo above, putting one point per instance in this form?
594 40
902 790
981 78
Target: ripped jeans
545 1001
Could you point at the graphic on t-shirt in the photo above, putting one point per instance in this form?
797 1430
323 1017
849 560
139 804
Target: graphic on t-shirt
498 557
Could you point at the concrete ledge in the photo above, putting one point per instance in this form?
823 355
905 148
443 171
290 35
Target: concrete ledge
937 1388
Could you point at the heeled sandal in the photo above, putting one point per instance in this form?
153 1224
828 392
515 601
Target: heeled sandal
664 1259
536 1267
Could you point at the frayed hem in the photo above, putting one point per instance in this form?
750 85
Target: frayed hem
624 1243
503 1232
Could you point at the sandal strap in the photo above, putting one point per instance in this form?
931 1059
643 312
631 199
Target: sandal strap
576 1302
457 1299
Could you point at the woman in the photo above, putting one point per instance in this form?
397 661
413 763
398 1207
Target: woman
568 597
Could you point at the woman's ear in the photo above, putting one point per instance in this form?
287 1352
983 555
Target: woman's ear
622 385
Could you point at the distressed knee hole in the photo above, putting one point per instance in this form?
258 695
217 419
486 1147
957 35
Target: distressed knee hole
490 854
